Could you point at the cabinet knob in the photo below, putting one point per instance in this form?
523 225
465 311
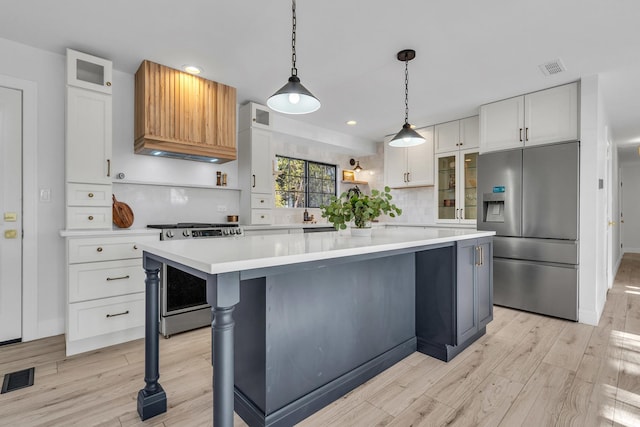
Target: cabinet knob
262 216
135 247
90 217
90 195
108 84
99 249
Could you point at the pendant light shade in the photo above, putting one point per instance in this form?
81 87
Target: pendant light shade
407 137
293 98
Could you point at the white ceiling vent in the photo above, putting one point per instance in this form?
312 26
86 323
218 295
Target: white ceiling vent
552 67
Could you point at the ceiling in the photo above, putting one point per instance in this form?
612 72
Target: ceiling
469 52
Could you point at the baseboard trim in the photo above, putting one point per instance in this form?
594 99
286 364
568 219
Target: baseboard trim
305 406
588 317
446 352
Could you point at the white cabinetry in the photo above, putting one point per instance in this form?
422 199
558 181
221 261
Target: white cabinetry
457 135
456 187
88 142
89 135
254 115
88 71
542 117
105 292
412 166
255 169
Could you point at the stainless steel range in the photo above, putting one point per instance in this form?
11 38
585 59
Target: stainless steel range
183 297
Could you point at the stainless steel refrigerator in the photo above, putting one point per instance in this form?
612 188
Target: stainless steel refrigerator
529 197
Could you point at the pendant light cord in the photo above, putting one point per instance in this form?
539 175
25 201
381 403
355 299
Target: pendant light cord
294 70
406 91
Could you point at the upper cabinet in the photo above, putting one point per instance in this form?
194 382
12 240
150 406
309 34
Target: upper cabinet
181 115
88 71
537 118
255 116
412 166
457 135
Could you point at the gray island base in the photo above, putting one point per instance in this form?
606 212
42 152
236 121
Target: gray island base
295 329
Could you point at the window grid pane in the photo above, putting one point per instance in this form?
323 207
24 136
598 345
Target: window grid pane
303 183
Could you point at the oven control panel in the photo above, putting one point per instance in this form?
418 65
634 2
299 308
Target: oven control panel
202 233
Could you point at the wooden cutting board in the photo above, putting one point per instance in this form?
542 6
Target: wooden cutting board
122 214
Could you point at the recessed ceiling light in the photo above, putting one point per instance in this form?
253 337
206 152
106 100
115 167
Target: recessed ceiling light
352 122
192 69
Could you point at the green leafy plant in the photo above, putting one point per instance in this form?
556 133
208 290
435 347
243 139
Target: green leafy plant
353 205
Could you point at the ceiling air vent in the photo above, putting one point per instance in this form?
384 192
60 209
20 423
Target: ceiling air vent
552 67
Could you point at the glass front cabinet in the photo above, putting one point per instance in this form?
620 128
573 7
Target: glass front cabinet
456 186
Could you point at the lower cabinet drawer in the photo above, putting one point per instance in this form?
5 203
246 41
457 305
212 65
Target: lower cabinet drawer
261 216
89 217
105 279
91 318
88 195
261 201
90 249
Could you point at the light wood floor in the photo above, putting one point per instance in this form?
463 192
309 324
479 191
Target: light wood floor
528 370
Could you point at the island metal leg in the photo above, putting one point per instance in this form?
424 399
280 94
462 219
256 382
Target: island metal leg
223 293
152 400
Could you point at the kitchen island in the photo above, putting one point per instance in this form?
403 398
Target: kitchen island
318 314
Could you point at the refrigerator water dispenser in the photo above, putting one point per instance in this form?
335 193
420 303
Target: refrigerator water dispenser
493 207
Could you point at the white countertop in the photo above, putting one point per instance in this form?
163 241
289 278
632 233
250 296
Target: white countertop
113 232
250 252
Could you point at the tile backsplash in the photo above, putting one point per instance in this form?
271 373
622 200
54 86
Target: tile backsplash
164 204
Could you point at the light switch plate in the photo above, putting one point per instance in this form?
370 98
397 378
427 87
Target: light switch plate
45 195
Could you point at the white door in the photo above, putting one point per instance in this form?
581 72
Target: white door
11 211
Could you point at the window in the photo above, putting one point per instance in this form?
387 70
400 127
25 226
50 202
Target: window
303 183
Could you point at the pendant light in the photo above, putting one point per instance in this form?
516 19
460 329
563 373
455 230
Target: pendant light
407 137
293 98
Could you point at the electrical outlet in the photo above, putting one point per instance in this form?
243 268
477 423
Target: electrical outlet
45 195
222 208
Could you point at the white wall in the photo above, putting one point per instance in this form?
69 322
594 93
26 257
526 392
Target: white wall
631 207
593 207
46 70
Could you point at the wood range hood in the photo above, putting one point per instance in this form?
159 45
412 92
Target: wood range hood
183 116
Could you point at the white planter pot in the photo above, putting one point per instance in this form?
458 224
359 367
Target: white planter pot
361 232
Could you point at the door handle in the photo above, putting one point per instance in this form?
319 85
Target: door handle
408 176
481 255
254 181
108 167
520 134
526 134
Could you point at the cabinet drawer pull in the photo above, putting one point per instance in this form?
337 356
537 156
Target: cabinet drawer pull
261 216
90 195
118 278
118 314
261 201
99 249
520 134
90 218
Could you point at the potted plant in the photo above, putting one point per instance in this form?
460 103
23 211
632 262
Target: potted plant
354 205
